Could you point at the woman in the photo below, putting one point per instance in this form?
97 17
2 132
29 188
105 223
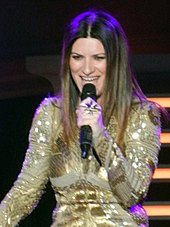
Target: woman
107 187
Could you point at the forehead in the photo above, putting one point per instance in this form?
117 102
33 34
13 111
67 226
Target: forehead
88 45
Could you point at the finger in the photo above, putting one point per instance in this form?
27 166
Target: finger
92 105
88 102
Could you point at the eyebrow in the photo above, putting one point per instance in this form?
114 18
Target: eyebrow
93 54
75 53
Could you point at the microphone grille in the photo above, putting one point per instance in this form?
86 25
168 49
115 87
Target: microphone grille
89 90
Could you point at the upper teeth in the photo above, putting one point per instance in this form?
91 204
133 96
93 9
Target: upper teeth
89 78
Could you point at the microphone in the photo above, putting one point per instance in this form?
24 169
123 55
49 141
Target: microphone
89 90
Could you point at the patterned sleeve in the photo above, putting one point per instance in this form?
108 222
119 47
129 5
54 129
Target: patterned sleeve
130 173
28 188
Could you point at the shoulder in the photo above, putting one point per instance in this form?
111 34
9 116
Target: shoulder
144 123
48 110
147 110
47 115
48 104
51 101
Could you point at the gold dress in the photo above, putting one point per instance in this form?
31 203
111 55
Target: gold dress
88 193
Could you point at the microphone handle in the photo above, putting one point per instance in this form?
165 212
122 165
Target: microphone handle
89 90
85 140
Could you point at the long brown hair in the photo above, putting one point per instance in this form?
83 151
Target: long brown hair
120 85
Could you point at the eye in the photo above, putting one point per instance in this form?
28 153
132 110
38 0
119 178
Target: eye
99 57
76 56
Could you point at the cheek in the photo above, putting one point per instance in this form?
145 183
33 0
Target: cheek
75 78
103 68
74 67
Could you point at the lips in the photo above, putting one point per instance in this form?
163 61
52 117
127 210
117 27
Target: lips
89 79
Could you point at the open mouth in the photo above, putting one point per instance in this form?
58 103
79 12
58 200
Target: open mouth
89 79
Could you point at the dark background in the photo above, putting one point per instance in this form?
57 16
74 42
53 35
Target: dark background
35 28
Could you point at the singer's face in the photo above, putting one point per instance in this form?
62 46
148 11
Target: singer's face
88 63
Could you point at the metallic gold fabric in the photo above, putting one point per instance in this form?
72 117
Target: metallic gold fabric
87 194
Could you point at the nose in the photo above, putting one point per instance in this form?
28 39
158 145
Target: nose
88 67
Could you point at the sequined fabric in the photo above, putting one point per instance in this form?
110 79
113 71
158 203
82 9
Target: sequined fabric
87 194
